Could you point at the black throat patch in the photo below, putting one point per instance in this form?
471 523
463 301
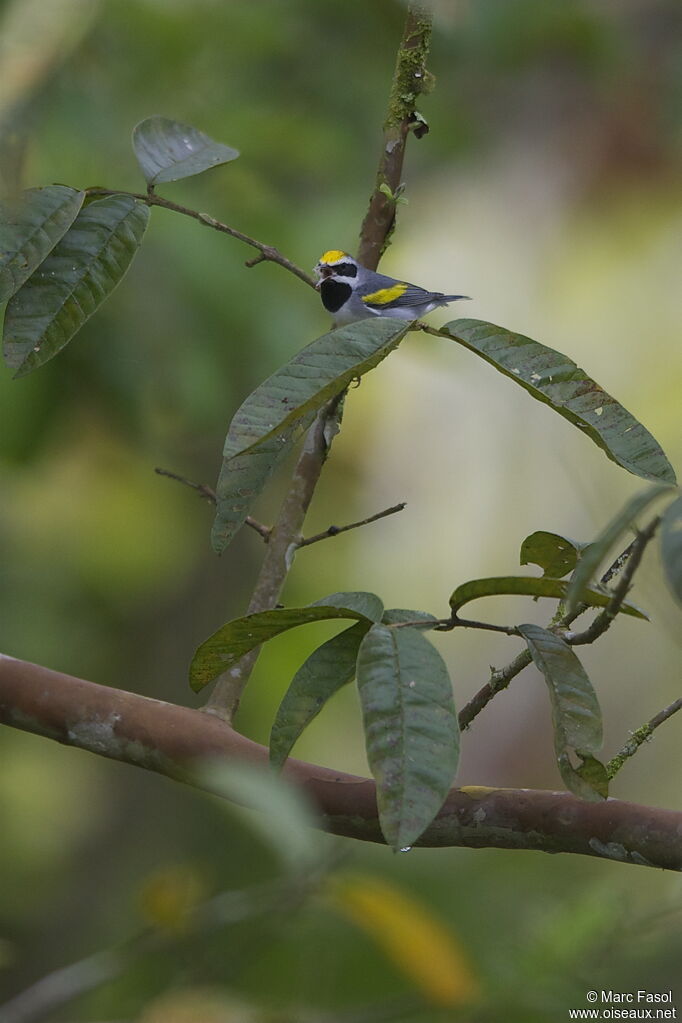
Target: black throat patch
334 294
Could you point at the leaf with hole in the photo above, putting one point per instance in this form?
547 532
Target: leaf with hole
236 638
671 547
30 228
556 555
167 150
621 524
576 716
532 586
327 670
70 285
557 381
411 728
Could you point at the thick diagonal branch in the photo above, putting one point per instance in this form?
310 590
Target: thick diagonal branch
165 738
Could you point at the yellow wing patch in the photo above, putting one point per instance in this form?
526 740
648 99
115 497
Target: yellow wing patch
384 296
333 256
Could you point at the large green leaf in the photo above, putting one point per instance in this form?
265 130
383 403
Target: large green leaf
236 638
575 712
167 150
316 374
557 381
531 586
272 418
29 230
411 728
556 555
327 670
671 547
70 285
620 524
243 477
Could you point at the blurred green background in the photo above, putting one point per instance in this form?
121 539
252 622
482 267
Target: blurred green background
547 189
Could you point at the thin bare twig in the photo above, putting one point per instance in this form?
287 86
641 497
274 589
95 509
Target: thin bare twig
640 736
448 624
335 530
202 489
267 253
209 494
455 622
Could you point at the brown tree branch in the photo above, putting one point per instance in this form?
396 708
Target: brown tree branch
165 738
281 550
335 530
410 78
267 253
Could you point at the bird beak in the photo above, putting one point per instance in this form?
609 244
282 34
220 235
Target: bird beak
322 273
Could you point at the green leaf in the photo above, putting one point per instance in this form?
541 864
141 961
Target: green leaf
243 477
556 555
411 729
327 670
284 818
236 638
531 586
396 615
29 230
623 522
556 380
69 286
167 150
671 547
591 772
366 604
575 711
316 374
273 417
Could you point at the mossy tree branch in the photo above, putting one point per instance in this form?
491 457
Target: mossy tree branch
410 79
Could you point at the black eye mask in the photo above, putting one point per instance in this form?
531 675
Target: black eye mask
346 270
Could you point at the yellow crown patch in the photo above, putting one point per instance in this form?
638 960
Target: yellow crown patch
333 256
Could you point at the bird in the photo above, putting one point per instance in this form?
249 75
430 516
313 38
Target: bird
351 292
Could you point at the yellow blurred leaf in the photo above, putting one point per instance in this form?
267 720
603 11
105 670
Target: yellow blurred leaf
168 897
415 941
196 1005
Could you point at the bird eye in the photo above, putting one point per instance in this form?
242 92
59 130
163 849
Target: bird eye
346 270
